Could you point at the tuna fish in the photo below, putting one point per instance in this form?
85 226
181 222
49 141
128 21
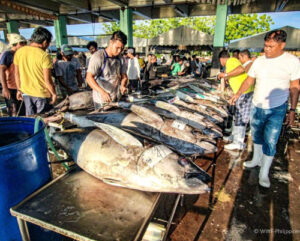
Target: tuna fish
117 158
142 121
77 101
195 120
219 109
208 113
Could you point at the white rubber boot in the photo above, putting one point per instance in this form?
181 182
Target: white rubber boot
238 138
257 156
228 138
266 163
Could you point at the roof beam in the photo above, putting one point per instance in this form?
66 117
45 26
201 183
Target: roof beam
81 17
280 4
120 3
143 12
182 10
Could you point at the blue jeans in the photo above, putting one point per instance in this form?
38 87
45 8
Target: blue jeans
266 126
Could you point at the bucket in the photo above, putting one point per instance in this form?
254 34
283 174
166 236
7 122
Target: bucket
23 168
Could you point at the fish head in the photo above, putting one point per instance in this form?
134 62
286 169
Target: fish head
167 174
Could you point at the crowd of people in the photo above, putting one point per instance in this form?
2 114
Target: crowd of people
261 86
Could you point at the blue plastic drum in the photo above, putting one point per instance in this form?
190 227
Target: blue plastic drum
23 168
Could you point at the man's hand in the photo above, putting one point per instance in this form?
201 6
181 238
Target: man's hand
221 75
19 95
123 89
105 96
6 93
234 99
53 99
290 118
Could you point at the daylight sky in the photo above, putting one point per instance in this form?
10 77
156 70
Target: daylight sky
280 20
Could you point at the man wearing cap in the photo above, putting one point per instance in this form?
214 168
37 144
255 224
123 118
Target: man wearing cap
7 74
33 73
106 73
67 70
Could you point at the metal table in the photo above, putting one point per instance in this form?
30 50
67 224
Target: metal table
82 207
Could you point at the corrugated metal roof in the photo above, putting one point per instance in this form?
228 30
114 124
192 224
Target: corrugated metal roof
257 41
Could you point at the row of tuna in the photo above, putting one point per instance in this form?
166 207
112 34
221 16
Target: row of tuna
178 121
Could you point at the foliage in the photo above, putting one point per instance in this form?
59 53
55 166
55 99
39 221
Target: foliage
238 25
243 25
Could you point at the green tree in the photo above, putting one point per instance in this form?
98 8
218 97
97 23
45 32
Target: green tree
238 25
243 25
111 27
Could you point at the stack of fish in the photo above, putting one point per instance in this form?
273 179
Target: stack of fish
182 115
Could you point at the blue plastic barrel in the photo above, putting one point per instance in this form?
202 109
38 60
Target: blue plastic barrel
23 168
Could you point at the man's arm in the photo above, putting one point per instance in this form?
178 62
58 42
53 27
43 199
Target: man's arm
245 86
5 91
237 71
248 67
79 77
49 85
294 95
93 84
123 86
18 83
63 83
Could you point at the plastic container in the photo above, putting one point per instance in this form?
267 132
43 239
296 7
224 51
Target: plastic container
23 168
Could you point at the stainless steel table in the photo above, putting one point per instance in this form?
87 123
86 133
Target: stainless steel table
82 207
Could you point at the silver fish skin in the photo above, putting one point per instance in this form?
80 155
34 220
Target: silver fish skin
181 140
208 113
77 101
196 121
156 169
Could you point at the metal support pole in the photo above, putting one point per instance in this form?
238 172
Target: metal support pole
172 216
60 27
12 26
5 35
219 37
126 24
23 229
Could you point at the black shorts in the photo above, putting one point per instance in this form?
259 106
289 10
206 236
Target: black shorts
13 105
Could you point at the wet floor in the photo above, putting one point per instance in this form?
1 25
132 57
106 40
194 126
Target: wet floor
237 208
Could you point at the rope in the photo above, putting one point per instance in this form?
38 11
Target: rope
38 119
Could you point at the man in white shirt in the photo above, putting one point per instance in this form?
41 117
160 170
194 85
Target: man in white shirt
276 75
133 71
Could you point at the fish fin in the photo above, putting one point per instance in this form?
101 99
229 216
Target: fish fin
119 136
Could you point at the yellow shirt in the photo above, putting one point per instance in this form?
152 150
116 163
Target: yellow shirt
31 62
236 81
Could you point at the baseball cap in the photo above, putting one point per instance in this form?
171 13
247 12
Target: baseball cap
66 49
14 38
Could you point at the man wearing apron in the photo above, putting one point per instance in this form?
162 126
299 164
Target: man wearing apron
106 73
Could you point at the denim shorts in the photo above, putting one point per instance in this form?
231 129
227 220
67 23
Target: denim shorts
266 127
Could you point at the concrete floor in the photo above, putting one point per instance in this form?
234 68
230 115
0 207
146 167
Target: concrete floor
238 209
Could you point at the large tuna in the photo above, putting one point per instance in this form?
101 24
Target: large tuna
117 158
142 121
